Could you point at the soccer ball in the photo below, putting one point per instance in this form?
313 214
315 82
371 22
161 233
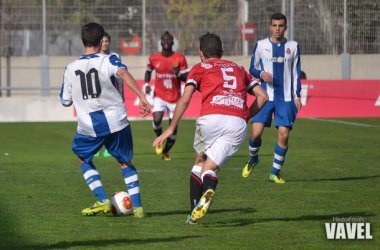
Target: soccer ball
121 204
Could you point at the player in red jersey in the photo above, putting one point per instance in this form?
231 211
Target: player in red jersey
222 126
171 68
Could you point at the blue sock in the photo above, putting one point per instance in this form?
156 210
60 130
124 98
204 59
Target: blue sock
132 180
92 178
254 147
278 160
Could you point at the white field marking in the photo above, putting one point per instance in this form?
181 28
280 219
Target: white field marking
148 170
65 171
377 103
343 122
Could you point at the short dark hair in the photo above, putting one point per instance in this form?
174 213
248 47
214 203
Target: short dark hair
107 35
278 16
92 33
210 45
167 34
303 75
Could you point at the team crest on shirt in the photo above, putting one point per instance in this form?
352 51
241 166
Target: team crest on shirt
288 51
206 65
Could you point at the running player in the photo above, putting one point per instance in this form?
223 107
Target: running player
171 68
221 127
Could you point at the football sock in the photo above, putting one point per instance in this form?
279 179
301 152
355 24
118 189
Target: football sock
169 143
92 178
254 147
279 158
210 180
171 139
157 129
132 180
196 186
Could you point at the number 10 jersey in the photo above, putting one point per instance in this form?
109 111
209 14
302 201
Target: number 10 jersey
87 82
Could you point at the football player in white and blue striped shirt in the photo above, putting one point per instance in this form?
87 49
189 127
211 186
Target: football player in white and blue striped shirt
117 82
102 116
276 61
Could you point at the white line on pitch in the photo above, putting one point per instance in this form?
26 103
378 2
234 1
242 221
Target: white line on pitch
343 122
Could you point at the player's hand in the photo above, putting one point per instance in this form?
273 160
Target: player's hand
298 103
144 106
148 89
267 77
161 139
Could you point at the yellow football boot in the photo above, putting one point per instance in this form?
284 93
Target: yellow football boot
99 207
202 207
159 149
248 169
165 157
276 178
139 212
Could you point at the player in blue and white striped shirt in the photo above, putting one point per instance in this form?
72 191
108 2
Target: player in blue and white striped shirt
276 61
102 116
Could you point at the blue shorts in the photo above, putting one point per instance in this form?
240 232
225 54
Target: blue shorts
284 114
118 144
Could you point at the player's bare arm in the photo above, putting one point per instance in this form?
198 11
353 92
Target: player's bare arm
131 83
148 76
261 99
179 110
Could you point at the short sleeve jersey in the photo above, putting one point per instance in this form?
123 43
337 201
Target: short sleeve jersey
118 82
167 84
284 63
87 82
223 86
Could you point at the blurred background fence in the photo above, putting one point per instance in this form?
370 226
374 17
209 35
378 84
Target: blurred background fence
39 37
318 25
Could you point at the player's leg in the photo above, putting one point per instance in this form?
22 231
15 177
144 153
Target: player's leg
259 122
254 147
279 155
217 139
131 179
157 122
157 127
284 117
202 190
159 107
171 139
169 144
210 181
120 146
85 147
196 184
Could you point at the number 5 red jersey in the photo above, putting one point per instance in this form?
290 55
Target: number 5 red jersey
223 86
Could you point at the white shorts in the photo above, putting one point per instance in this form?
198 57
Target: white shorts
219 137
160 105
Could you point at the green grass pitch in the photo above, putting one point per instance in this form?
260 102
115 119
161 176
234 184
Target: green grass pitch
331 169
